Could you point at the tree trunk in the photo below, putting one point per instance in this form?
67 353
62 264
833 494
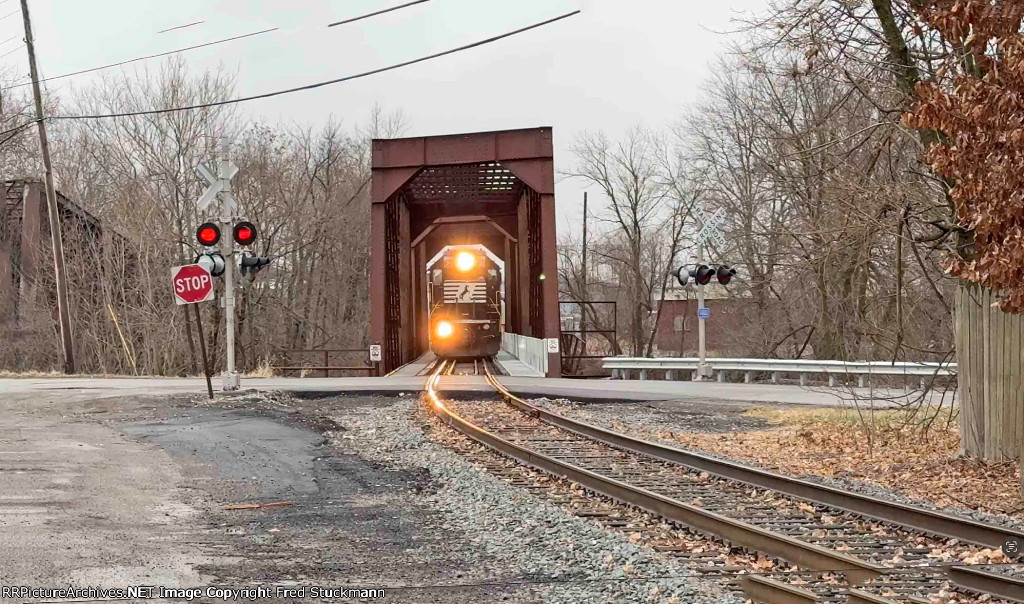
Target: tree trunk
990 374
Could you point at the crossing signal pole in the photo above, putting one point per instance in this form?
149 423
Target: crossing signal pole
702 352
227 211
56 241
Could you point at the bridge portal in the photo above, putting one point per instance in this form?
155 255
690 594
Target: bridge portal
490 188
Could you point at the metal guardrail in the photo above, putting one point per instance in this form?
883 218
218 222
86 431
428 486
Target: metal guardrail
532 351
372 368
622 366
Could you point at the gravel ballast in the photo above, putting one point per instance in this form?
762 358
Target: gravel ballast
565 558
645 422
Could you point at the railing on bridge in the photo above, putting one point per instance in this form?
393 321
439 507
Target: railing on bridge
621 368
284 361
532 351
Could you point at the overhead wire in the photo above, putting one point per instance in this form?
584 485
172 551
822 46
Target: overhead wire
163 31
373 14
16 48
188 48
324 83
153 56
11 14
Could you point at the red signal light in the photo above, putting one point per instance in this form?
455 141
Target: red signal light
725 274
702 274
245 233
208 234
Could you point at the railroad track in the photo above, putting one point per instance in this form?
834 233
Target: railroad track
843 546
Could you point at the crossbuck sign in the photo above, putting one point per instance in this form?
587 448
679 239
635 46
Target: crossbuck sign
710 229
216 187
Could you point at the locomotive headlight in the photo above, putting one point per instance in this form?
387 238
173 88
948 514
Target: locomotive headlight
464 261
443 329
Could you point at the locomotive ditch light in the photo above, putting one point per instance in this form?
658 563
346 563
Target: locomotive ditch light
725 274
244 233
208 234
444 329
465 261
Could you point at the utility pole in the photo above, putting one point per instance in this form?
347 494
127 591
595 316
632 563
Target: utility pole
227 219
51 203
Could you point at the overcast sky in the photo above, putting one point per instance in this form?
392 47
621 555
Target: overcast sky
617 64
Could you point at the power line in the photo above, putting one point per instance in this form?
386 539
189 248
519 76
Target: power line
162 31
187 48
17 48
8 40
324 83
380 12
10 14
137 59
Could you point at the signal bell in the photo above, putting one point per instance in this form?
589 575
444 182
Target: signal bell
208 234
244 233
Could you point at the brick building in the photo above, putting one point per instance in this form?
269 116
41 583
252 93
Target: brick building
730 318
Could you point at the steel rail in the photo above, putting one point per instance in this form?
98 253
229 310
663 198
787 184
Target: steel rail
924 520
807 555
987 582
763 589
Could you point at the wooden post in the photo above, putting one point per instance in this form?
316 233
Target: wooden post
202 348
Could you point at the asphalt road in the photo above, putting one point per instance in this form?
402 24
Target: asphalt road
132 490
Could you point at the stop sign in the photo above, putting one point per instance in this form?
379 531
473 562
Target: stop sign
192 283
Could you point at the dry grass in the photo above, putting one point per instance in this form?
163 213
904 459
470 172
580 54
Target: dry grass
829 442
263 370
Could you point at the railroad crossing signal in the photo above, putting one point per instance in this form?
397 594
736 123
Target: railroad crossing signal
702 274
208 234
213 263
192 283
244 233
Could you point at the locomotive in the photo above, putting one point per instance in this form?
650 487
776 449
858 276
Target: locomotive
465 305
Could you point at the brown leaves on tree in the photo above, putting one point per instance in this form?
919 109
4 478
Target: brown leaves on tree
980 113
